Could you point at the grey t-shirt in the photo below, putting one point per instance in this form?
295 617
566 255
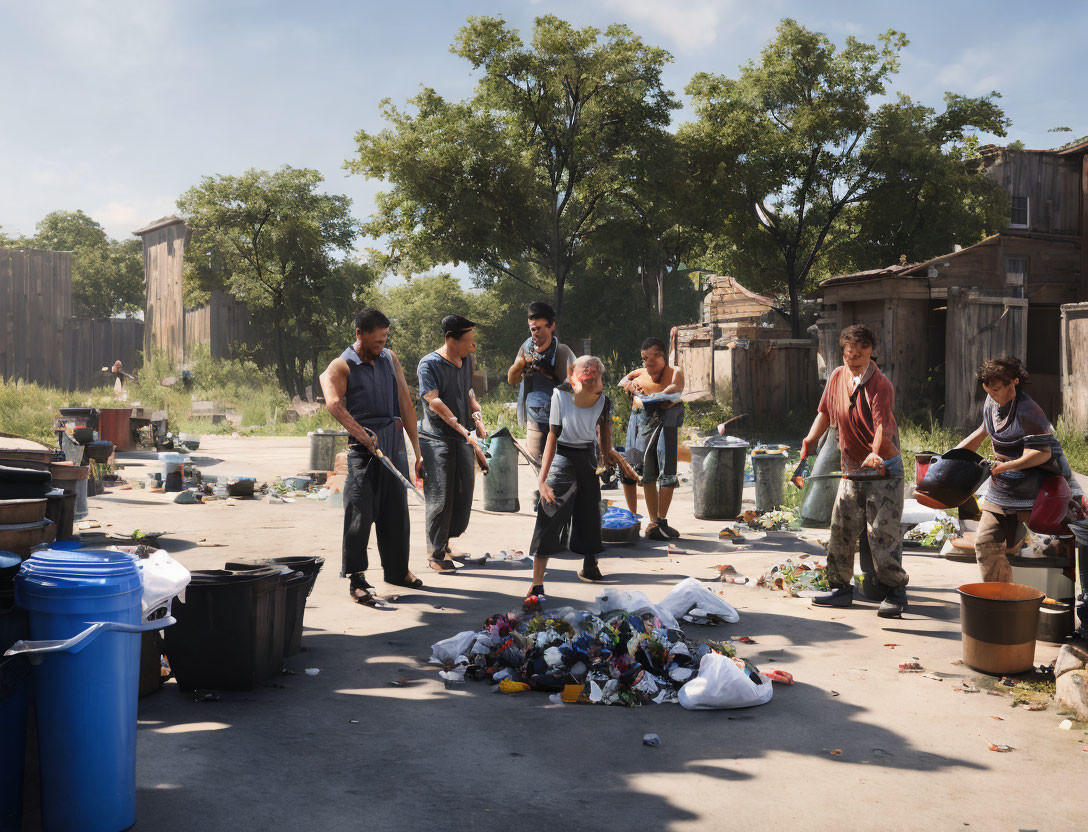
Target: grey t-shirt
577 425
453 384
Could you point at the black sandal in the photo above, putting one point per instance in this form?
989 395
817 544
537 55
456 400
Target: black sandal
446 565
414 583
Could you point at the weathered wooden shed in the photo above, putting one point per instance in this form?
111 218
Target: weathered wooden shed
742 353
940 319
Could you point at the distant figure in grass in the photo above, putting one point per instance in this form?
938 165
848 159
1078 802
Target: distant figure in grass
580 417
653 437
365 388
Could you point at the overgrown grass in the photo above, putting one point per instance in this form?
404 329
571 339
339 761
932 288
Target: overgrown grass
1074 443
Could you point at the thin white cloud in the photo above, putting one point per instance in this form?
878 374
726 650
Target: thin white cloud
977 71
689 24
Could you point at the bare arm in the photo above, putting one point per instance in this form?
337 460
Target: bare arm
545 490
677 385
819 426
476 413
407 412
1029 459
439 407
334 386
517 369
975 440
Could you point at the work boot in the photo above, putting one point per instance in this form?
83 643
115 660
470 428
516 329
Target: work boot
841 596
894 603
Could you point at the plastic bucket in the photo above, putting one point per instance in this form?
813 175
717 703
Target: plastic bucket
114 425
999 622
770 473
717 475
324 445
501 482
85 623
818 495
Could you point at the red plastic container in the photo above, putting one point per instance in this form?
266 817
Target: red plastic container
1050 512
921 465
114 426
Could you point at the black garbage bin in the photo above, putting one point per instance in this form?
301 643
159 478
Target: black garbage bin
299 574
229 631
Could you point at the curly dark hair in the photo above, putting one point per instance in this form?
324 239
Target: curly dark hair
1004 370
860 334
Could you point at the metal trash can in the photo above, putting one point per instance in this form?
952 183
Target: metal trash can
717 474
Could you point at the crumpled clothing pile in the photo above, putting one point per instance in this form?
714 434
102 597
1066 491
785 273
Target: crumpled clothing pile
796 577
773 521
628 657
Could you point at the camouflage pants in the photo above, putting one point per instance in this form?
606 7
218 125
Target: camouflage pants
874 509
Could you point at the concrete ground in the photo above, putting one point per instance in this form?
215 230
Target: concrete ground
853 744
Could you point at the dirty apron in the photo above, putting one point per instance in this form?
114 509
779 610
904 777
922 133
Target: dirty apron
373 496
573 478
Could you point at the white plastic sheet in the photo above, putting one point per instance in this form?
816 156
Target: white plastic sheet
447 650
721 684
162 578
691 593
915 513
636 602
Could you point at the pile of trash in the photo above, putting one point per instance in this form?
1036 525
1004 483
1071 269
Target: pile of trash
779 520
629 651
796 578
932 533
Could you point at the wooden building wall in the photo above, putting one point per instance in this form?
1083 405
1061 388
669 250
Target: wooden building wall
979 327
35 302
1049 181
91 344
728 301
164 312
220 323
1074 363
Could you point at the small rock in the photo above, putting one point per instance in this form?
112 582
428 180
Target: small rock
1070 657
1066 725
1072 692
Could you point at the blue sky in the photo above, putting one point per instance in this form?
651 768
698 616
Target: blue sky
117 106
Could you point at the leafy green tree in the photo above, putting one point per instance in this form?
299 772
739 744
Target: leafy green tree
273 241
531 169
799 138
107 275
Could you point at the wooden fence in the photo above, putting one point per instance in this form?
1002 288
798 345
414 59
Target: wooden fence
35 301
1074 347
91 344
220 323
763 377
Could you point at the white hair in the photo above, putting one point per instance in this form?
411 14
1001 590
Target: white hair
589 361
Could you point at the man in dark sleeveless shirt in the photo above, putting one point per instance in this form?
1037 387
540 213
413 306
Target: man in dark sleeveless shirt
365 387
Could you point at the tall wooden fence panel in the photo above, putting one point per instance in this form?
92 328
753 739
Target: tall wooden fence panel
220 323
35 301
1074 346
164 255
91 344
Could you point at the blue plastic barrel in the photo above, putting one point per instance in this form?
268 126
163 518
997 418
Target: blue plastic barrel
85 620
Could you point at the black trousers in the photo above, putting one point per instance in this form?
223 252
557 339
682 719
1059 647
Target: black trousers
374 497
573 478
449 476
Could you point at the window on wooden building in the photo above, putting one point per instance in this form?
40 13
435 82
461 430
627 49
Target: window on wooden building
1019 217
1016 275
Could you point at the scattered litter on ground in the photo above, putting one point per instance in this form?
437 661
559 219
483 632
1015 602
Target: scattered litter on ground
998 718
1034 706
743 639
932 676
626 651
1066 725
911 667
353 722
778 520
836 752
932 533
730 575
796 578
965 687
780 676
1001 748
892 646
729 533
312 671
652 740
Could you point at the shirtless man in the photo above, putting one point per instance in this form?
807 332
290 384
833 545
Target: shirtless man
659 425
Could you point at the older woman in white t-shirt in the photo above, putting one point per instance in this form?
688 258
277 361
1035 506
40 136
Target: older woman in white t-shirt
570 491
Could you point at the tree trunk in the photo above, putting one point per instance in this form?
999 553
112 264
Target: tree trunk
795 306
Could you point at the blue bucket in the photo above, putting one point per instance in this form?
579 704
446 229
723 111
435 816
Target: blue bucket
85 621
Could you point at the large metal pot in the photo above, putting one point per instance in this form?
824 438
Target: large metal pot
952 479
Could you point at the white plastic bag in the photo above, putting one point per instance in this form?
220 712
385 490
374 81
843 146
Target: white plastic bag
447 650
636 602
691 593
915 513
721 684
162 578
